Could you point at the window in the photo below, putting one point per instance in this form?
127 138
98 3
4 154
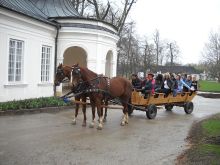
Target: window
45 63
15 63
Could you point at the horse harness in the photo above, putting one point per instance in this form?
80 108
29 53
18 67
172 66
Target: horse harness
92 85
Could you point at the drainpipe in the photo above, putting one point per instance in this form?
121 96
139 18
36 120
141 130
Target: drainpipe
55 57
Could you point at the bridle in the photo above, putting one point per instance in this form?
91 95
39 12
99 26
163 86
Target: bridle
61 73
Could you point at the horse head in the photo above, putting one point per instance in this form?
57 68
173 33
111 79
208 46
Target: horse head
60 75
76 75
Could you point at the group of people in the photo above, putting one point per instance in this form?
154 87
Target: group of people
167 83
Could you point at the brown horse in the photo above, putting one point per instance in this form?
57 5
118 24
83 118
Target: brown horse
64 73
117 87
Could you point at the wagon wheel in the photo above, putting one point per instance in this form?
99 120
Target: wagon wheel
168 107
130 108
188 107
151 111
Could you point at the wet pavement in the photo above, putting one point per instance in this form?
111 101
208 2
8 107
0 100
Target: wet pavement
50 139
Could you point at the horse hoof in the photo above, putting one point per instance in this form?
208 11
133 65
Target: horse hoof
99 127
91 125
122 123
84 124
104 120
74 122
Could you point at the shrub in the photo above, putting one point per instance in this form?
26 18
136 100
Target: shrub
33 103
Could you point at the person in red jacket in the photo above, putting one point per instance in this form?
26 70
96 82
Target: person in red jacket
149 85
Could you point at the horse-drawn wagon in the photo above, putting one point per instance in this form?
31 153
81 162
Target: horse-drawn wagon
149 105
101 89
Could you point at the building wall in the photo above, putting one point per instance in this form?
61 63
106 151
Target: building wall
34 34
95 43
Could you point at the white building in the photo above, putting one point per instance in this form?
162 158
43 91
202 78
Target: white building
37 35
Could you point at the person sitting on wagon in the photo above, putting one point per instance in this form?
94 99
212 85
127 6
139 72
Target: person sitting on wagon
174 88
194 84
181 84
167 85
158 82
135 81
188 82
149 85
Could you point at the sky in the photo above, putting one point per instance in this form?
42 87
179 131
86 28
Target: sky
188 22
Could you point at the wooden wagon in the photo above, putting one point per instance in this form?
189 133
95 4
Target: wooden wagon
149 105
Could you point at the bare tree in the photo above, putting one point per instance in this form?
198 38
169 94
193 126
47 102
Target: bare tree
148 55
211 55
173 52
158 47
80 6
129 52
113 14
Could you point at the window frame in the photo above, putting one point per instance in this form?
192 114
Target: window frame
45 78
22 48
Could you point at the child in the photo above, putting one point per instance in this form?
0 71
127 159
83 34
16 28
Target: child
194 84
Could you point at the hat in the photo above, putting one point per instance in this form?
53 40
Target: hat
151 74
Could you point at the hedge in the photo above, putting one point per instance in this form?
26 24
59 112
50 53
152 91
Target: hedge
33 103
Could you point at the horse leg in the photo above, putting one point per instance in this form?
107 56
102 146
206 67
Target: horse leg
99 109
76 111
105 115
91 125
125 116
84 111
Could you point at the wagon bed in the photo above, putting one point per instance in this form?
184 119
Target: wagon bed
150 104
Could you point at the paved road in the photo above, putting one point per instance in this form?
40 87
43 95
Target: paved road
50 139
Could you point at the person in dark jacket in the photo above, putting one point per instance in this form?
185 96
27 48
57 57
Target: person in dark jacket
175 84
158 82
149 85
167 86
136 82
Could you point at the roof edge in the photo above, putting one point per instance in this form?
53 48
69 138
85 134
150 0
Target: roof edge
86 18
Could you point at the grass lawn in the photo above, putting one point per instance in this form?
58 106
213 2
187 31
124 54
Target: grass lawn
209 86
205 140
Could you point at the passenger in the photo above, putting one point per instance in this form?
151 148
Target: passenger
158 82
188 82
167 85
136 82
194 84
149 85
184 77
181 84
174 88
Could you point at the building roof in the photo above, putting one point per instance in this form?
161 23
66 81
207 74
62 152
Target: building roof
56 8
174 69
41 10
24 7
49 11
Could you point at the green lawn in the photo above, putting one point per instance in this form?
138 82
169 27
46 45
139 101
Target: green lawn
205 143
209 86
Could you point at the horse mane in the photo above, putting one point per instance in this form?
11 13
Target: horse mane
88 73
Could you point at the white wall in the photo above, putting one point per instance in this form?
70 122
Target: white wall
34 34
96 43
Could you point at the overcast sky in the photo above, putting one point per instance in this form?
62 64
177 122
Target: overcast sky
189 22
